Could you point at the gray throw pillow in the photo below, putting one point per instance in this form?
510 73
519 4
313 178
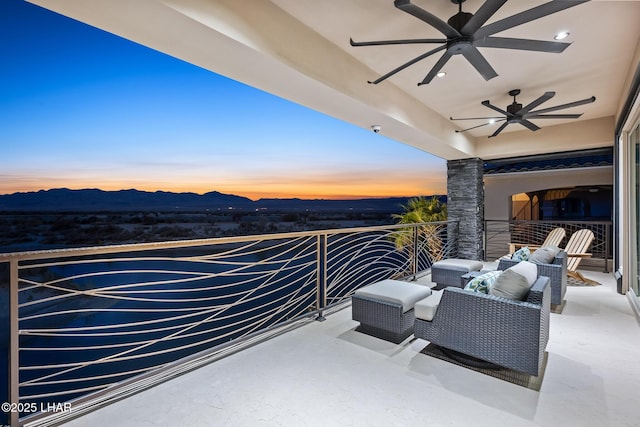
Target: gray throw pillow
544 255
556 250
510 285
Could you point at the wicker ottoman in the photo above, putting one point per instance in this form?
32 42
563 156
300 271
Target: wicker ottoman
448 271
385 309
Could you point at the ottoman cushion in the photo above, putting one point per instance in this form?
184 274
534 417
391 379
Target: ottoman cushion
426 308
465 265
395 291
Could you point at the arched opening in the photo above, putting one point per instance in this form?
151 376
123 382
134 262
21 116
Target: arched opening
582 203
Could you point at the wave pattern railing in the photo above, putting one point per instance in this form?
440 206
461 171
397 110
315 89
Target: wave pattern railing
359 257
498 235
88 320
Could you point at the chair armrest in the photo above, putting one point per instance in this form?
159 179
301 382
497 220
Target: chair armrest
560 259
506 263
457 299
541 286
514 246
583 255
503 264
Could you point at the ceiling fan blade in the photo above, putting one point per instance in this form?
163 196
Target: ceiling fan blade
485 12
474 127
407 64
477 118
529 125
563 106
423 15
478 61
436 68
522 44
500 129
526 16
544 98
493 107
553 116
389 42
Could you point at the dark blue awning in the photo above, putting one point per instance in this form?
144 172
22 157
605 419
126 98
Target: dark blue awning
554 161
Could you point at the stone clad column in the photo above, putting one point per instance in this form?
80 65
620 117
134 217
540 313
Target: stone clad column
465 202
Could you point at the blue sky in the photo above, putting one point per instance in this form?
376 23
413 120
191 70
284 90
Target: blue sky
82 108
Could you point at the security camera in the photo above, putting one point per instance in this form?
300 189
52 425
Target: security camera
375 128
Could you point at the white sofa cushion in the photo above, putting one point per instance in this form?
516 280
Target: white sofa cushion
465 265
395 291
426 308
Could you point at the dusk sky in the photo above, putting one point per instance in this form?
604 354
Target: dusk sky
82 108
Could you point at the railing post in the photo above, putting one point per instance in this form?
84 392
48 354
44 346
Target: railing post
14 353
321 290
606 247
414 261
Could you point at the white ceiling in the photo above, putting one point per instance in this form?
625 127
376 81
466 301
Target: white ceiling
603 37
299 49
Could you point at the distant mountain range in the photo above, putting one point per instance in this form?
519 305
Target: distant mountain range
94 200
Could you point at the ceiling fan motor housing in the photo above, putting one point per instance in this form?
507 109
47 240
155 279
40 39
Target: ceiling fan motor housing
514 108
459 45
459 20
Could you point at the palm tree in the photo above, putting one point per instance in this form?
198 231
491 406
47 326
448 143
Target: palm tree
421 210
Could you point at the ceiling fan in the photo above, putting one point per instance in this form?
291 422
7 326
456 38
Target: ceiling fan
465 33
516 113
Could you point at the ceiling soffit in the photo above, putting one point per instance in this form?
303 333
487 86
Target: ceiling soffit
299 50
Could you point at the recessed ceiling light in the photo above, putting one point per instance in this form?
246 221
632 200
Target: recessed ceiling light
441 74
492 121
561 35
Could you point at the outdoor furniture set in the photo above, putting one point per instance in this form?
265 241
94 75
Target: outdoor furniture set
500 316
508 331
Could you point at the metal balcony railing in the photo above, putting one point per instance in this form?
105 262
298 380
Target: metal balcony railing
88 326
498 235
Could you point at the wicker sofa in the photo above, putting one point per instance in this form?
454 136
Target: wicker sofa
508 333
556 272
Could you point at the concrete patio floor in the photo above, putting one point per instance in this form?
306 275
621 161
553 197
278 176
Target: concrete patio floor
327 374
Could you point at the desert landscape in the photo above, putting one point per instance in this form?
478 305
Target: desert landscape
39 231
